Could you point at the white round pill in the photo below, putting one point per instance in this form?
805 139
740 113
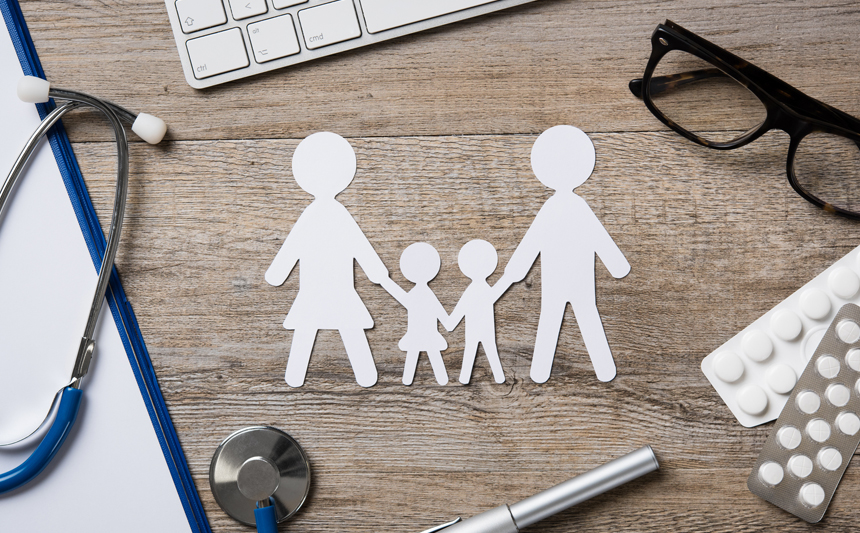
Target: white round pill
827 366
800 466
852 358
818 430
848 423
844 283
811 494
781 378
808 402
857 386
788 437
838 394
728 366
770 473
786 324
757 346
848 331
752 400
815 304
830 459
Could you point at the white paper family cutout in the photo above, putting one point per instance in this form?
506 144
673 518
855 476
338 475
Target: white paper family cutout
326 241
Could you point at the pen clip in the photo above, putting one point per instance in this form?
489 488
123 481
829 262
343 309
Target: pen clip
441 527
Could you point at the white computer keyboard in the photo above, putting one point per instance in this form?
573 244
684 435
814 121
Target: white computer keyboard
224 40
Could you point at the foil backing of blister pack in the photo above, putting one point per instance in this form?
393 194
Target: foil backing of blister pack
787 492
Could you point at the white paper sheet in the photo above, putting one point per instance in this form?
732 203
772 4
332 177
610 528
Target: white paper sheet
111 474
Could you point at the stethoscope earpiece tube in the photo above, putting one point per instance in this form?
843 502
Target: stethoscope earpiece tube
152 130
67 412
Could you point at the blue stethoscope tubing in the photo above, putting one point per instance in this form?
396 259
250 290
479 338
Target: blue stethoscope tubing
151 129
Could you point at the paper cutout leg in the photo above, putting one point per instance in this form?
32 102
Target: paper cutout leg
594 336
438 367
300 356
358 351
410 367
493 357
469 355
549 328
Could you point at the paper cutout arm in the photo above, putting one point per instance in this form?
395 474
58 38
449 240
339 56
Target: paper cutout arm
499 288
609 252
525 254
451 321
394 290
287 257
367 258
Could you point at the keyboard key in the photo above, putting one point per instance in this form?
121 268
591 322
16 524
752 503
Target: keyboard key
281 4
196 15
382 15
243 9
273 38
217 53
330 23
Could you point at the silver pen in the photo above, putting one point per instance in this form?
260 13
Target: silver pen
512 518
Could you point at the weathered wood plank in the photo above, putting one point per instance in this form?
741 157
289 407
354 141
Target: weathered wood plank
551 62
715 239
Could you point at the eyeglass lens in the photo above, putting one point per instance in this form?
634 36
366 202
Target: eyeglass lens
701 99
827 166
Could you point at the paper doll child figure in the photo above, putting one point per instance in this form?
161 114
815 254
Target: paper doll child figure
477 260
567 235
420 263
325 241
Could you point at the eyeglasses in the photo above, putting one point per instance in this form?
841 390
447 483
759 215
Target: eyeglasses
718 100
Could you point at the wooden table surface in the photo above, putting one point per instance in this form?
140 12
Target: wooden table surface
443 123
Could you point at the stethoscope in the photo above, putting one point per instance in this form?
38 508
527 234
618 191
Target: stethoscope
149 128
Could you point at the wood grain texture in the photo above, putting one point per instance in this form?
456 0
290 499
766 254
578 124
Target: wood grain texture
442 124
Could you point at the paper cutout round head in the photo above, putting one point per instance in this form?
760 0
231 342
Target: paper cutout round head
324 164
477 259
563 158
420 262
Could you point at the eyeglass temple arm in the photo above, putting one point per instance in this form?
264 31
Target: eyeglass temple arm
661 84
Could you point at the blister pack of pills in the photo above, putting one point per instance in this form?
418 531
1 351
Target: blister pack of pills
816 434
756 370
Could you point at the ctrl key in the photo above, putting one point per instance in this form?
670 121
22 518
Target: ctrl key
217 53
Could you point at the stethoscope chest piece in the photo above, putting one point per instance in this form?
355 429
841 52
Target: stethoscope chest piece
259 464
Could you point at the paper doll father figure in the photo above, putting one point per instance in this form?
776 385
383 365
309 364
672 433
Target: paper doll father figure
567 235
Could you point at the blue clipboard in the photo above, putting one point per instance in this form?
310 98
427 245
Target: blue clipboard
120 308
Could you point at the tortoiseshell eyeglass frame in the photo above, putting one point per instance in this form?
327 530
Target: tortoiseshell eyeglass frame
788 109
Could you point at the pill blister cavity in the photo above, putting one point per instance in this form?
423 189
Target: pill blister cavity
848 423
800 466
789 437
781 378
811 342
852 359
728 366
829 459
811 494
818 430
827 366
815 304
757 346
838 394
771 474
808 402
848 331
844 283
786 324
752 400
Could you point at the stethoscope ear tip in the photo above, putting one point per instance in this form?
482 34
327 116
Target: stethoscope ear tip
33 90
149 128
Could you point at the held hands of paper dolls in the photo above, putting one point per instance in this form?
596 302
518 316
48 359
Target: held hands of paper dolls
326 241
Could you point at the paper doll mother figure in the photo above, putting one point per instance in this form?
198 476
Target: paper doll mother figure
567 235
324 241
